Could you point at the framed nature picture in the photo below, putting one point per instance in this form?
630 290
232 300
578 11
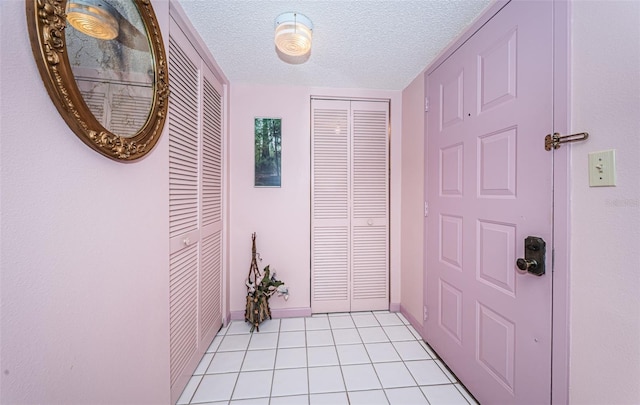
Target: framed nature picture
268 146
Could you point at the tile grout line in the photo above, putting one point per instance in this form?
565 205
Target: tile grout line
404 363
371 360
335 347
431 358
189 402
306 353
235 385
275 359
449 376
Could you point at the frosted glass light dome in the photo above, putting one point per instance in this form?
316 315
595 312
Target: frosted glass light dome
293 34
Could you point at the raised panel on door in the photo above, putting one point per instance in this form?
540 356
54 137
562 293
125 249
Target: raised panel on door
370 206
489 187
330 206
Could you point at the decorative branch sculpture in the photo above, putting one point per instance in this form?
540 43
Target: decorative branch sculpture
260 287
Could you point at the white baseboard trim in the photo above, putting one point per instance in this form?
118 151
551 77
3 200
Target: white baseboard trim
306 311
277 313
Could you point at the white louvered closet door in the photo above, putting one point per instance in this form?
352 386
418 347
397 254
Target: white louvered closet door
349 241
211 212
183 206
195 207
370 206
330 187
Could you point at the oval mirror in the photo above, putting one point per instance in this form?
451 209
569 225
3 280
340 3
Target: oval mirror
104 66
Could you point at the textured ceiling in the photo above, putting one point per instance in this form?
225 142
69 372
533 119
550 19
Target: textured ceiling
370 44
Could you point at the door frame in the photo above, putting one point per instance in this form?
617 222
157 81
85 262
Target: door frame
560 332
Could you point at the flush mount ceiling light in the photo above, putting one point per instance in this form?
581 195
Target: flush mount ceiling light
95 18
293 34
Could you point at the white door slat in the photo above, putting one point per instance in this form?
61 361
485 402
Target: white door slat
210 282
183 294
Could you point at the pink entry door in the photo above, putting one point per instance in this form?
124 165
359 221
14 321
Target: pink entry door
489 187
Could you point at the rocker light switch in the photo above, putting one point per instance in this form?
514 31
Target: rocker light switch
602 168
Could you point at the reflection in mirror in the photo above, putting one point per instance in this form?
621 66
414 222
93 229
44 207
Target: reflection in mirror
104 66
111 61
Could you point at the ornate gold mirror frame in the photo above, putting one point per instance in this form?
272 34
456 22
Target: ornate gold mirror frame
47 22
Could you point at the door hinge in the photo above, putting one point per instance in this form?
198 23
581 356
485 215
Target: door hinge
426 209
554 141
426 104
425 313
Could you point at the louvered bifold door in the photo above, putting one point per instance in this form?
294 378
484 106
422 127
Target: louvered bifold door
350 206
330 184
195 207
370 206
184 127
211 211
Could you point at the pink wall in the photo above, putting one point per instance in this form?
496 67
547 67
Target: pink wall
412 232
281 216
84 242
605 232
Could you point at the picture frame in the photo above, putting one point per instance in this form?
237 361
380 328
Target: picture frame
267 152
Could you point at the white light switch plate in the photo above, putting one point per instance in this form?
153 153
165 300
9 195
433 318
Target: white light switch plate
602 168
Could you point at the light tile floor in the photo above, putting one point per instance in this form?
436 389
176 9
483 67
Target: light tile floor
347 358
